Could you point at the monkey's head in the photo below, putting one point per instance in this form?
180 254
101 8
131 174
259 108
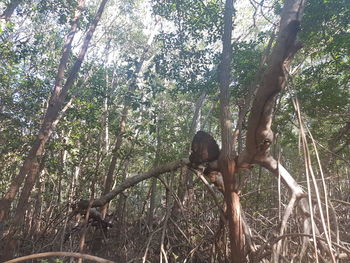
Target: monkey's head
204 148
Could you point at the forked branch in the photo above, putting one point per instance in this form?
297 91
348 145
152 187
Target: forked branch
259 134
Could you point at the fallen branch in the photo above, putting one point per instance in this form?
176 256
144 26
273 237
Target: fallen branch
60 254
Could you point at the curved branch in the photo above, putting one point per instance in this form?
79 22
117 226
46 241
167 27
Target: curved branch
259 134
131 181
60 254
277 169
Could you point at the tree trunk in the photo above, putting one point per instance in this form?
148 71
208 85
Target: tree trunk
109 177
38 210
227 164
108 182
54 106
10 8
30 168
62 168
259 133
195 124
181 191
31 163
152 204
185 187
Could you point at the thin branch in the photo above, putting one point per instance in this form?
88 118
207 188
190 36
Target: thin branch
211 191
309 170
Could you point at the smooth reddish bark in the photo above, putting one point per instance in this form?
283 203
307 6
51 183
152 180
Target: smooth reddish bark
227 164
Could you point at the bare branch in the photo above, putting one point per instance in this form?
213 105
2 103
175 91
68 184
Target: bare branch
259 134
131 181
60 254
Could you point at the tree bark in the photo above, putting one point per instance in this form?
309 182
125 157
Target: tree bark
227 164
10 8
121 129
152 203
55 103
131 181
30 168
31 163
259 133
181 191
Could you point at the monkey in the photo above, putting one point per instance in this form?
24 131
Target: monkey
95 217
204 149
215 178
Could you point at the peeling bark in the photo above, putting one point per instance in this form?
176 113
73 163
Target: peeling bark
227 163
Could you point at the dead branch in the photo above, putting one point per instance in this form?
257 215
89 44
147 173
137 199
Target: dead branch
60 254
277 239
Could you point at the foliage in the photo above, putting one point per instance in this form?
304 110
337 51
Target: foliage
178 67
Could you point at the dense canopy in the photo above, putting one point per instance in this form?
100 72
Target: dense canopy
100 101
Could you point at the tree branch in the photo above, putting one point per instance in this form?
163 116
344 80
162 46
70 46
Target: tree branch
60 254
259 134
131 181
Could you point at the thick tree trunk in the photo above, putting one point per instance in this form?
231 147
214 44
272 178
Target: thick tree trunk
259 133
54 107
227 164
233 209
